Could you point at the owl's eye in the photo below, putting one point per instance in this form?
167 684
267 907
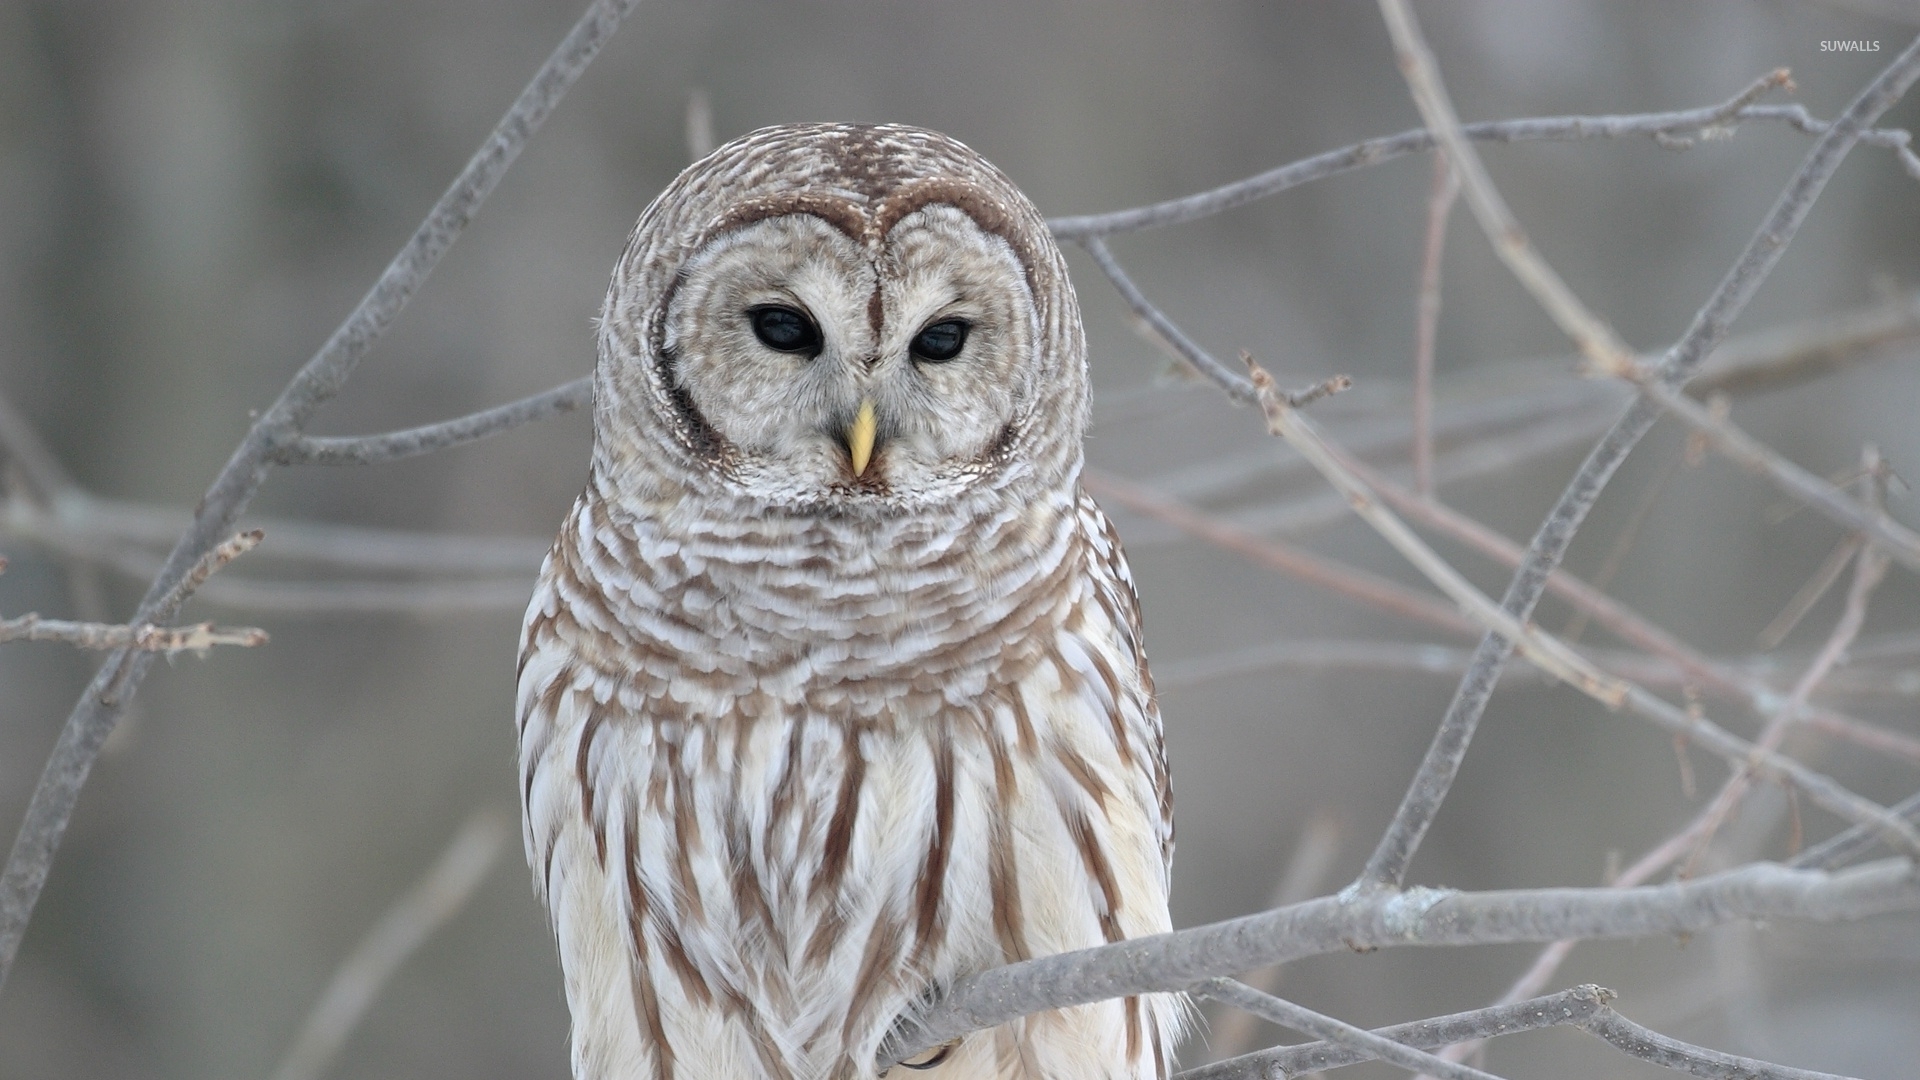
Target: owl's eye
785 330
940 342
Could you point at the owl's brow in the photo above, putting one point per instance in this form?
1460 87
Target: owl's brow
989 213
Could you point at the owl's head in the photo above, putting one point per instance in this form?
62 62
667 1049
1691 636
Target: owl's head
832 318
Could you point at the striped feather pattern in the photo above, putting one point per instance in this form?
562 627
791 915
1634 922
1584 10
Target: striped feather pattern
789 768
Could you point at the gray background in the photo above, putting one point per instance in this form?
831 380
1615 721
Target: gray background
194 192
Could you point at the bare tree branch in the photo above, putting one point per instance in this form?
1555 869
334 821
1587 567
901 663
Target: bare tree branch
1388 866
1568 1007
317 381
1554 656
1202 361
1344 1035
1359 919
1386 594
1594 337
1902 543
1446 188
1306 869
435 898
1652 1046
1693 838
146 636
1583 1007
1841 848
394 446
1674 126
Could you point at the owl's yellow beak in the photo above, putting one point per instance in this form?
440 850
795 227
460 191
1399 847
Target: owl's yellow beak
860 437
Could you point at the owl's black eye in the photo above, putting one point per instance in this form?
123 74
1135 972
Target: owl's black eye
785 330
940 342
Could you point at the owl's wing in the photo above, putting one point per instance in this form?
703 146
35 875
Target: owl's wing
1113 583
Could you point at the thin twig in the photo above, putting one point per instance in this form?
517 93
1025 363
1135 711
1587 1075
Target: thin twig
1602 347
394 446
1744 450
1870 568
700 139
1282 1062
1307 1022
318 380
1388 866
1217 200
1552 655
1357 584
1649 1045
21 447
1842 847
439 895
208 565
1693 837
1748 687
146 636
1363 920
1203 362
1809 593
1306 869
1446 188
1623 544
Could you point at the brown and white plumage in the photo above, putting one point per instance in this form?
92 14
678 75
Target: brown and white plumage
800 742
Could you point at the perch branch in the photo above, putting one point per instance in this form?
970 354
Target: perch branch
1368 919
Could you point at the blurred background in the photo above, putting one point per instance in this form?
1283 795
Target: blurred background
194 192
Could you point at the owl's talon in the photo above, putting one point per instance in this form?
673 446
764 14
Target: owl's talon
931 1058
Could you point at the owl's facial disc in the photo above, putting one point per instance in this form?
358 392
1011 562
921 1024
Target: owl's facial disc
842 373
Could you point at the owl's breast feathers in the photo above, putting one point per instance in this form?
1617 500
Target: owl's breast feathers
784 776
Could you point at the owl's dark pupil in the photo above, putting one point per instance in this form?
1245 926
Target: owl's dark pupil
784 329
940 342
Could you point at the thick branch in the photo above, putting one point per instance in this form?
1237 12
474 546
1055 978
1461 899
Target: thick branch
1370 919
99 707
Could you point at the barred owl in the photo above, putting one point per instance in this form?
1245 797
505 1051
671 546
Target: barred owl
832 691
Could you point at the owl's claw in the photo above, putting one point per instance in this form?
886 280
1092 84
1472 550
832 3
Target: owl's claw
932 1057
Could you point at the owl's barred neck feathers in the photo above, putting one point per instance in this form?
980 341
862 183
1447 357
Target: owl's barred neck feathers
832 691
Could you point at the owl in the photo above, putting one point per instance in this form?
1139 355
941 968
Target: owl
832 691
